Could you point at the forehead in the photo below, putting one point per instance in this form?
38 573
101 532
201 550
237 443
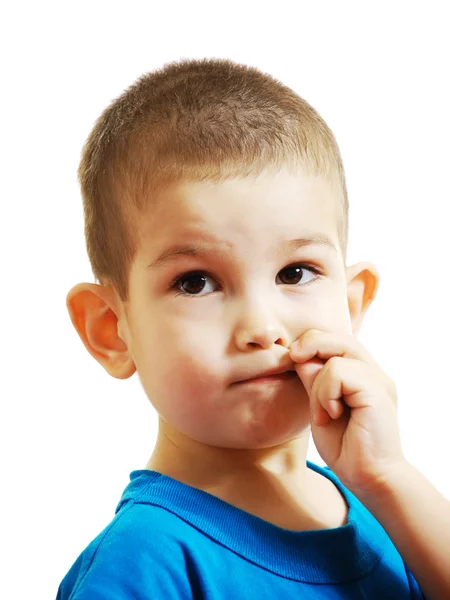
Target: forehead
251 212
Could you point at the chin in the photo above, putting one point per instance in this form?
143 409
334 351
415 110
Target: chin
256 436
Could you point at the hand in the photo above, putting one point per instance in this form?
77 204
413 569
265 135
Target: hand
353 406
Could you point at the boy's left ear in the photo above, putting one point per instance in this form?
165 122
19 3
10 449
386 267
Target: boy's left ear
362 286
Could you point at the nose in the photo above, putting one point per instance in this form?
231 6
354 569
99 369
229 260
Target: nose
259 327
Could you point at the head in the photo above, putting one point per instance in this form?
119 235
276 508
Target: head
196 181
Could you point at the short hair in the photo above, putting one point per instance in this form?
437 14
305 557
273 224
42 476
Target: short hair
192 120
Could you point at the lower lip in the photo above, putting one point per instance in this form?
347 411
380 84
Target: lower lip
271 378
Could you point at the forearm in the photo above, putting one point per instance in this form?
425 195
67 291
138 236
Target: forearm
416 517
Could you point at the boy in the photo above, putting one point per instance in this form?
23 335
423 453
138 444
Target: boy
215 174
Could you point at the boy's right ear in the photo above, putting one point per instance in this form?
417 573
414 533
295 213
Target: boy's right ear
94 312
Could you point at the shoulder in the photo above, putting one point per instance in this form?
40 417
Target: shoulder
139 554
141 522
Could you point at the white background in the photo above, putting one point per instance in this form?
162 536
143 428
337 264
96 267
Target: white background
378 74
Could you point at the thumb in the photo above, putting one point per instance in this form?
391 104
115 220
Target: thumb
308 372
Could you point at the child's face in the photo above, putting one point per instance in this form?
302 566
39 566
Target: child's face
237 317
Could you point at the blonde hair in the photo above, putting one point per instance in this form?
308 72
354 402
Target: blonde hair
192 120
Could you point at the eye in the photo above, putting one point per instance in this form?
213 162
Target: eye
195 282
293 274
190 284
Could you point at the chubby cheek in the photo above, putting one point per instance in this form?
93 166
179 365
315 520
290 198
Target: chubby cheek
183 377
330 313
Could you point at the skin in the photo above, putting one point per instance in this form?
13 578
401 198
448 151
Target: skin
246 444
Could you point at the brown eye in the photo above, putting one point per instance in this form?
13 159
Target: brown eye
293 274
191 284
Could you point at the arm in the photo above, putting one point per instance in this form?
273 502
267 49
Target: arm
364 447
416 517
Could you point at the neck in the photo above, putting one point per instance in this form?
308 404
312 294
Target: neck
201 466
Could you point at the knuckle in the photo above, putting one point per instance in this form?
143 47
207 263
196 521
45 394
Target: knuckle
334 364
308 337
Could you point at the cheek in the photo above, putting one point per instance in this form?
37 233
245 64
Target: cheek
185 387
198 366
331 314
183 361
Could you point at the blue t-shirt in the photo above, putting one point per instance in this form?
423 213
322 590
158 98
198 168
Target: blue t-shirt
169 541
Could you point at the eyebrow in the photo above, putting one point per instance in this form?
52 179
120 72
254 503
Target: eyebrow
178 250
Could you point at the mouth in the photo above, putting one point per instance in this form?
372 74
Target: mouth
272 377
